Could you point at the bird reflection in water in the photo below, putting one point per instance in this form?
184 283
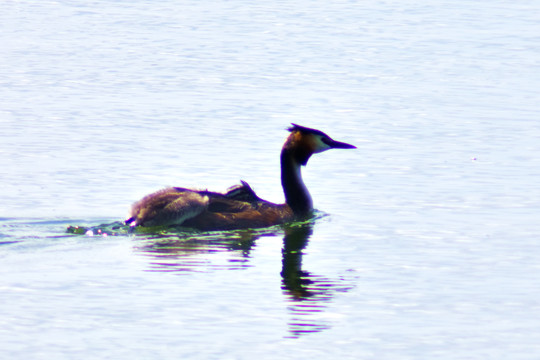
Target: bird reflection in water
308 295
186 253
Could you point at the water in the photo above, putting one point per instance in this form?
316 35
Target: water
427 241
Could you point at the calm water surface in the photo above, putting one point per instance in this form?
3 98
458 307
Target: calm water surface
427 240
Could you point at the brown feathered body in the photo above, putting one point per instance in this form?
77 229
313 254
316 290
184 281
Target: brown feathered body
238 208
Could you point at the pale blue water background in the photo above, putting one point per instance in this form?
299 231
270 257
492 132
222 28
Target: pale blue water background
431 243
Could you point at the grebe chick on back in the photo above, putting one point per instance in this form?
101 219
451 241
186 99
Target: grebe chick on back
239 207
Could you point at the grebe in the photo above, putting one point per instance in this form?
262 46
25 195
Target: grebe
239 207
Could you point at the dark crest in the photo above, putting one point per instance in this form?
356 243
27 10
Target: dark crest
306 130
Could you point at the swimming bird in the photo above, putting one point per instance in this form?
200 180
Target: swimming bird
239 207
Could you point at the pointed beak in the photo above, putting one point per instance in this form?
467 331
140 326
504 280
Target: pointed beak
340 145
